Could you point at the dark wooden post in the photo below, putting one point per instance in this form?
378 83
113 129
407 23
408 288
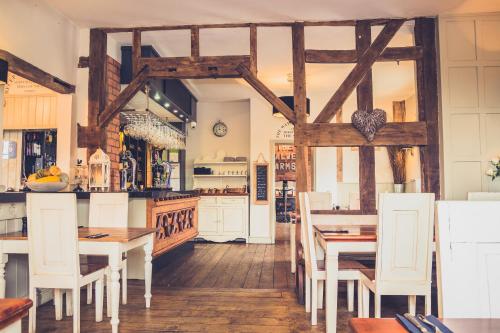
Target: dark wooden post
367 191
97 88
302 152
195 42
253 49
136 51
427 94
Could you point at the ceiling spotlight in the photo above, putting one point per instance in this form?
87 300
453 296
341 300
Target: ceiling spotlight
166 105
187 118
157 97
175 111
182 116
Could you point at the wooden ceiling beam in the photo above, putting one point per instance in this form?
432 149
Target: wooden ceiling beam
345 135
26 70
195 68
351 56
266 93
338 23
124 97
359 71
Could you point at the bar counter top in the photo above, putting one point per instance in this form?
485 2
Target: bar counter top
7 197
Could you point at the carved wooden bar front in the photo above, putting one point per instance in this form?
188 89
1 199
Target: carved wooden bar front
175 221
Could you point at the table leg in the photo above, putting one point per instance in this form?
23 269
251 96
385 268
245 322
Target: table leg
115 266
292 248
332 272
148 249
3 261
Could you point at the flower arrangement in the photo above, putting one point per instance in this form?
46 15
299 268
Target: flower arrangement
494 172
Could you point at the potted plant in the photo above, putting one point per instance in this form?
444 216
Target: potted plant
397 159
494 171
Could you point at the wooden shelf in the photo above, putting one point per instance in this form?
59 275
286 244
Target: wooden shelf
221 163
219 176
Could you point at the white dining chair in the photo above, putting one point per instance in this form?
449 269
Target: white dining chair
109 210
315 269
468 259
320 200
404 251
483 196
54 261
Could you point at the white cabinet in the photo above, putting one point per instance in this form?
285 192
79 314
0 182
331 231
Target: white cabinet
223 218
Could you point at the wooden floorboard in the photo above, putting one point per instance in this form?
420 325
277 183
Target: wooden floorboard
194 292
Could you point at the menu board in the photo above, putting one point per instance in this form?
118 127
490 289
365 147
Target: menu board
261 184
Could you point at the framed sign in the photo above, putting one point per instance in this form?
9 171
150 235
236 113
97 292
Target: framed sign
261 184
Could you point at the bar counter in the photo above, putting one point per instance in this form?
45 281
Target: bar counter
174 215
9 197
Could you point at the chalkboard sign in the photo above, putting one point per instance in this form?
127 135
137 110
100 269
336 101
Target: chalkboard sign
261 184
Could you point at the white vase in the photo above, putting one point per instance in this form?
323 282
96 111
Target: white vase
399 188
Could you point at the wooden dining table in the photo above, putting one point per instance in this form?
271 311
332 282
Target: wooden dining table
359 239
456 325
117 242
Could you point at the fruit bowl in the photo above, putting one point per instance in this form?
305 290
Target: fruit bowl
46 187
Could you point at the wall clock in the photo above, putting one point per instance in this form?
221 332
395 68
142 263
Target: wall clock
220 129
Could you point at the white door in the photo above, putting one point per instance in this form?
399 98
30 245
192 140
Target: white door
233 221
208 220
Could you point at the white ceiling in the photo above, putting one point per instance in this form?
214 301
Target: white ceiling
391 81
95 13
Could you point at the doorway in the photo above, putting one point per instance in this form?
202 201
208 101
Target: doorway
284 188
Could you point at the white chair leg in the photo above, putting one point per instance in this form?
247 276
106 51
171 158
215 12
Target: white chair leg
32 311
69 303
360 299
321 286
350 295
308 293
76 310
314 302
58 303
124 282
89 293
412 304
366 301
428 304
378 305
108 292
99 299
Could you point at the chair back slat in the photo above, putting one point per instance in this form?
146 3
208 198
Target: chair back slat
52 236
108 210
483 196
468 259
404 241
308 243
320 200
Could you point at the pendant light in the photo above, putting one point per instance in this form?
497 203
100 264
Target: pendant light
289 100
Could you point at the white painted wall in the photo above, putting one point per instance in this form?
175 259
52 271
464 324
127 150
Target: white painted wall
470 85
33 31
202 142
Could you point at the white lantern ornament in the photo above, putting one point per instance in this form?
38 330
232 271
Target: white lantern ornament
100 171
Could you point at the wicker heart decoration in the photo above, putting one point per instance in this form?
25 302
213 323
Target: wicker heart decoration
369 122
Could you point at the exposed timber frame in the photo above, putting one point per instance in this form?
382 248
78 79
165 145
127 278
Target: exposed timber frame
320 133
28 71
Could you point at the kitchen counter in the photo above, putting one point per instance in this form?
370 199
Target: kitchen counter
224 195
8 197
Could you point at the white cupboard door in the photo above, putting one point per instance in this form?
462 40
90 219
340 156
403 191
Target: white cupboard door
208 220
233 220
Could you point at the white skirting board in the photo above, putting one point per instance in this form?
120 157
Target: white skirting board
260 240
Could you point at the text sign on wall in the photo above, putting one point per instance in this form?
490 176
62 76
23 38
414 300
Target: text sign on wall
284 162
261 184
